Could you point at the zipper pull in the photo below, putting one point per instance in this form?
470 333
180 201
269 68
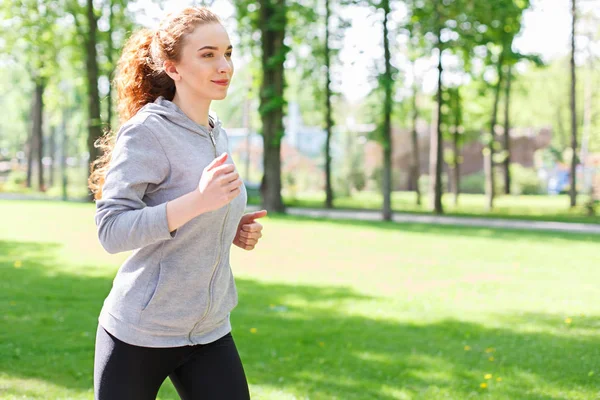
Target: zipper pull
212 138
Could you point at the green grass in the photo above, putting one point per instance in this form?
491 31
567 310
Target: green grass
329 309
532 207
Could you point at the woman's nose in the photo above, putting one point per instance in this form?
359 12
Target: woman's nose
224 65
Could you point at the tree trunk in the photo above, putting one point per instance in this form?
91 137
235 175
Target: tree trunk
387 114
328 120
455 165
273 24
507 157
38 121
489 151
456 127
573 188
94 121
436 159
30 147
246 124
415 168
109 56
63 154
52 156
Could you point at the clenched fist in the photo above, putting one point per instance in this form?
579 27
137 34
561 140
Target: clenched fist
249 231
219 184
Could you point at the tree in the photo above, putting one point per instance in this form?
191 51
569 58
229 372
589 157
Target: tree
506 162
29 33
328 119
502 19
268 18
387 81
118 23
317 31
455 122
415 167
86 25
434 22
573 177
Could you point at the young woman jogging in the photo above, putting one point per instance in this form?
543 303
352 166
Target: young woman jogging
167 189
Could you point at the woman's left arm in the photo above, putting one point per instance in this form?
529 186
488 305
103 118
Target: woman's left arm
249 230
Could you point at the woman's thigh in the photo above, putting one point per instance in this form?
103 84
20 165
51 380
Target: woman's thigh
213 372
126 372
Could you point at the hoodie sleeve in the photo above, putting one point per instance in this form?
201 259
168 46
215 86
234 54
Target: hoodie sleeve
138 164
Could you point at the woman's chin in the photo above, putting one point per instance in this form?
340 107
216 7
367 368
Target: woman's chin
220 96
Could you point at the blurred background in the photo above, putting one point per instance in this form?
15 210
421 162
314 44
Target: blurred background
362 112
465 97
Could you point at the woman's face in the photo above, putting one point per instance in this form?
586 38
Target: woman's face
206 68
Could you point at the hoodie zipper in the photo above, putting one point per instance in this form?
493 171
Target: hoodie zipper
212 138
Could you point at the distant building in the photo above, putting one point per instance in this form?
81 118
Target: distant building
524 144
302 148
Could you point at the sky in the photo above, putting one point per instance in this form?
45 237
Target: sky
546 31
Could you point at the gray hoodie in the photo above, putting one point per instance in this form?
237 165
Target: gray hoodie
176 288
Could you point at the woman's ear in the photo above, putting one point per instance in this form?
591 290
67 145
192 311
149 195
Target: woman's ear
171 70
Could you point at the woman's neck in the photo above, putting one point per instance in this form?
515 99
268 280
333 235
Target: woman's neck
195 109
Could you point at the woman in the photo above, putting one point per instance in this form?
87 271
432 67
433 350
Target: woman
168 190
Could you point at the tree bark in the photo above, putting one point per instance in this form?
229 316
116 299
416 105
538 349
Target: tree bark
456 165
52 155
328 119
489 151
37 131
436 159
273 24
387 114
94 121
30 147
109 56
573 183
507 157
63 154
456 127
415 168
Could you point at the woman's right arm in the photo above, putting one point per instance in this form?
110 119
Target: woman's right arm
124 221
138 162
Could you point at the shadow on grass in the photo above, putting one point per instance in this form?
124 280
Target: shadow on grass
450 230
322 350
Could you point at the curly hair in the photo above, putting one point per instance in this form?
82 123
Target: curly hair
141 78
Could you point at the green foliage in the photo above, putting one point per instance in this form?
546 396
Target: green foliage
525 180
473 183
541 99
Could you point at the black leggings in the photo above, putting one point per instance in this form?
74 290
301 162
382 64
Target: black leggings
210 371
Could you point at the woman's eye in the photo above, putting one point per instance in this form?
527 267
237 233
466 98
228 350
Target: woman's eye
228 54
207 55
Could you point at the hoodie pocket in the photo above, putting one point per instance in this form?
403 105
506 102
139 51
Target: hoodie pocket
152 287
178 299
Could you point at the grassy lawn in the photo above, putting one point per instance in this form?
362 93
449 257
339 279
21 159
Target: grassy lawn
541 208
329 309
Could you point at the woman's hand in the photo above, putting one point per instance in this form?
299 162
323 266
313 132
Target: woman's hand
249 231
219 184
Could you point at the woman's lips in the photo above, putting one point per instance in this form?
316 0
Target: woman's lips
221 83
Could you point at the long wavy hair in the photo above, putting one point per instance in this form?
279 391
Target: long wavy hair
141 78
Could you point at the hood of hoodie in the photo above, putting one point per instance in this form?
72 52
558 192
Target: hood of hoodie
170 111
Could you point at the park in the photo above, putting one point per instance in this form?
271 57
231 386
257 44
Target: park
433 212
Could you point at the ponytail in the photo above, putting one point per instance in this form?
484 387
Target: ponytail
137 84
